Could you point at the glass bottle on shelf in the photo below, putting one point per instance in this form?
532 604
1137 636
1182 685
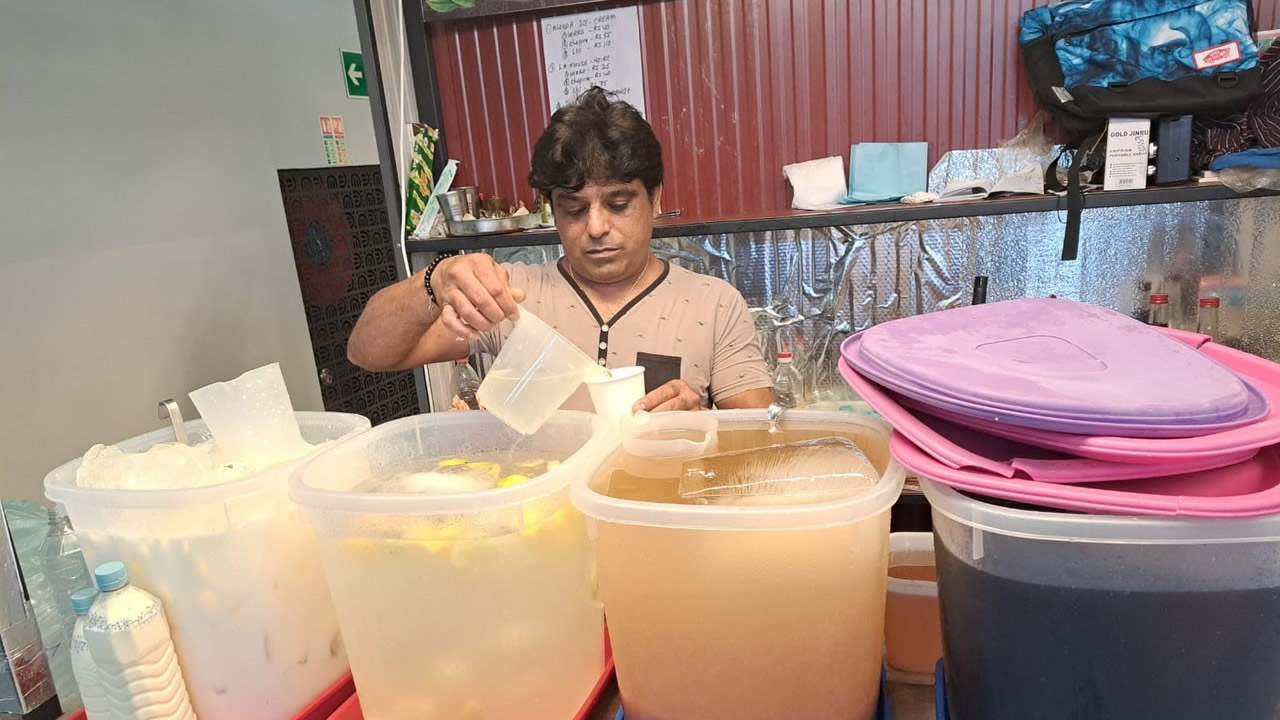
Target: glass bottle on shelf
1159 314
1207 320
1143 313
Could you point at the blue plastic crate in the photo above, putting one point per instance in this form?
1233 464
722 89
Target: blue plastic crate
940 693
884 709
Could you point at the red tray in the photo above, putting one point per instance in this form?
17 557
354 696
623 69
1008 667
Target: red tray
350 710
339 702
326 707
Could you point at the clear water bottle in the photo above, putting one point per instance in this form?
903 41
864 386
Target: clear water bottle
465 384
63 572
788 385
64 568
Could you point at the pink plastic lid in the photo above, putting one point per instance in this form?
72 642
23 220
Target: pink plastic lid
1247 489
1054 365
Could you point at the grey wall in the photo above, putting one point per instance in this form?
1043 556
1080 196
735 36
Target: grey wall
143 251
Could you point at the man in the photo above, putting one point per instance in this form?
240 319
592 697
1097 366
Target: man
600 165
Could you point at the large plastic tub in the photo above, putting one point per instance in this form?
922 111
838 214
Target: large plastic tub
749 612
1059 616
236 567
471 604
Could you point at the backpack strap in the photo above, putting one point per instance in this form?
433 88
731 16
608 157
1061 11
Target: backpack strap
1073 190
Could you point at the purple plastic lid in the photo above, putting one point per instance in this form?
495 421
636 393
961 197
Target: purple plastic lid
1055 365
1263 374
965 447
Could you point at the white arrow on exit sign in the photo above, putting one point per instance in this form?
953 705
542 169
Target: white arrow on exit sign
353 74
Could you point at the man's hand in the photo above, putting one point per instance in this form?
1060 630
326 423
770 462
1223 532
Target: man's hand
474 294
675 395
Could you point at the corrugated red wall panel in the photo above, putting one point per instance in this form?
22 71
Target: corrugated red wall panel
736 89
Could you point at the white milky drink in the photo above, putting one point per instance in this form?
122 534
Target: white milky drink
82 665
127 636
247 604
231 559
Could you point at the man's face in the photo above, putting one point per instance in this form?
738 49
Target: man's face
605 229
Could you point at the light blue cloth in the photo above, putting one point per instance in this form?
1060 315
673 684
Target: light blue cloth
881 172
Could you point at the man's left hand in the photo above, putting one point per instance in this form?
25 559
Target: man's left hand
675 395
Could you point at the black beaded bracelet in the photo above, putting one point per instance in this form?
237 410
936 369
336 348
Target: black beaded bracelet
426 277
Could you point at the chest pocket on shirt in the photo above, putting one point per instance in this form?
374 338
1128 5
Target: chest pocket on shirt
658 369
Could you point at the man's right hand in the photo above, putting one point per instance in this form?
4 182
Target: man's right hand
474 293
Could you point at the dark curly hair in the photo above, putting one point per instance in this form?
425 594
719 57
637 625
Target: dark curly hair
596 139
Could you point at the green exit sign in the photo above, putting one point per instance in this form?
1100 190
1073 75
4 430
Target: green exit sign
353 74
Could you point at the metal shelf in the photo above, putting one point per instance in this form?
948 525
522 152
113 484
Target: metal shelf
867 215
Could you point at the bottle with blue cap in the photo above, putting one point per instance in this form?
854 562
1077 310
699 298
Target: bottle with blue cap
82 665
127 637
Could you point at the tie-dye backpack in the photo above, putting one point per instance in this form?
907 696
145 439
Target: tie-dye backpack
1089 60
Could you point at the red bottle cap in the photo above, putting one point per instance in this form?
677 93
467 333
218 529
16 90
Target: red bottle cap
784 355
1210 302
1159 299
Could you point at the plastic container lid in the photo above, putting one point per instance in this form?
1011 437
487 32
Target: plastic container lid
962 446
111 576
326 480
1262 374
82 600
1054 365
316 427
1245 490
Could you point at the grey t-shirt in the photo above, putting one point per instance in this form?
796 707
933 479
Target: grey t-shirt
683 325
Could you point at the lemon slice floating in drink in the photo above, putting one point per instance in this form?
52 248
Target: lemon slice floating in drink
483 466
513 479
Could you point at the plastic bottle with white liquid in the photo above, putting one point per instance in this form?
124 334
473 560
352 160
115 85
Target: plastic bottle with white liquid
86 672
128 638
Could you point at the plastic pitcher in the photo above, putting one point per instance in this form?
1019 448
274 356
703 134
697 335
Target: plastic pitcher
237 570
475 603
534 373
757 612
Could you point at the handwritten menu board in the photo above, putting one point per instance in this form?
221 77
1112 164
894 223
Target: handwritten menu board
594 48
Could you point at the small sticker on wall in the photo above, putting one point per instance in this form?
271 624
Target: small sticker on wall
334 135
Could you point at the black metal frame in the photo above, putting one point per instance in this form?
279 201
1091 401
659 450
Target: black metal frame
422 63
868 215
484 8
382 132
